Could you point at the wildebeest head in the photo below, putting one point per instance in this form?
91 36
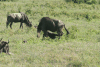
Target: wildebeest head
29 24
3 43
4 47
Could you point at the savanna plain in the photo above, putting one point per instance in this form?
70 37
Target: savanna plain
81 48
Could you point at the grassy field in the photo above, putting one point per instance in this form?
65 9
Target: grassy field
80 49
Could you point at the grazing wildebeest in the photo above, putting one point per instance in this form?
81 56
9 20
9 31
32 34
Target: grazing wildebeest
18 17
53 25
4 47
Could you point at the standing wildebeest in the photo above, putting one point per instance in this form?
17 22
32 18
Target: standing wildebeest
18 17
53 25
4 47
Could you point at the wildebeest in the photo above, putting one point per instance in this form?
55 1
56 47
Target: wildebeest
18 17
4 47
53 25
51 35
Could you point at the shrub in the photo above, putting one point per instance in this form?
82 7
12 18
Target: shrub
13 11
75 64
78 1
3 0
83 1
93 1
99 1
19 9
68 0
9 0
28 11
88 17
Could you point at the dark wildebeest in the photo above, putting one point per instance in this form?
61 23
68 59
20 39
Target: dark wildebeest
53 25
50 34
4 47
18 17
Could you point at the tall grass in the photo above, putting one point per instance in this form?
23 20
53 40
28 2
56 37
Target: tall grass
78 49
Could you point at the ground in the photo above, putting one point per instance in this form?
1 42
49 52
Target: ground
79 49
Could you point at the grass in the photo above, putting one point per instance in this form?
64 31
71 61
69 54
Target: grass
80 49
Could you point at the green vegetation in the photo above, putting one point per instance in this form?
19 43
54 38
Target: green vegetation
79 49
83 1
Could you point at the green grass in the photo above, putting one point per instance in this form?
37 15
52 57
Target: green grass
80 49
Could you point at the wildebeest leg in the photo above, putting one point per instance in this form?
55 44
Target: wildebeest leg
1 50
7 23
45 33
7 50
38 32
21 25
60 33
11 25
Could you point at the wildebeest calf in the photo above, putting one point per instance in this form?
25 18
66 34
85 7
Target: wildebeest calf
4 47
51 35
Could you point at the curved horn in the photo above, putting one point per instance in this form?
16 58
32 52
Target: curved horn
8 40
1 39
59 20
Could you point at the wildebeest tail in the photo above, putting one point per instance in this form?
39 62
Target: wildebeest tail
66 30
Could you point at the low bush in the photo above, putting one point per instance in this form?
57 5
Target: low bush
88 17
9 0
28 11
83 1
